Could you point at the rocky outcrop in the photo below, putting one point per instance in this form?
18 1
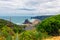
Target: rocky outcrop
30 25
27 22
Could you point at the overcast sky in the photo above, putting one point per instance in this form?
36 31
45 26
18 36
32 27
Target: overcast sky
29 7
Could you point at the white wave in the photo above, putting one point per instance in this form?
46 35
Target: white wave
32 20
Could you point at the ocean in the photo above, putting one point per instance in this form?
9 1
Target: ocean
20 19
16 19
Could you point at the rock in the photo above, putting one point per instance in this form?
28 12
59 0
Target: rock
27 22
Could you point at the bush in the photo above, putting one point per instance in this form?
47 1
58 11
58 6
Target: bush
29 35
32 35
7 31
50 25
18 28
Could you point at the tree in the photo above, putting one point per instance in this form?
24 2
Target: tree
50 25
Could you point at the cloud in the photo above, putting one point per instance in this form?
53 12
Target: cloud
52 7
5 0
29 7
26 9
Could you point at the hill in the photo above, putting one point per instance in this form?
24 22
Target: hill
40 17
14 27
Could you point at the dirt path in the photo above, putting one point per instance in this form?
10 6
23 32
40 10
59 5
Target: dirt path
54 38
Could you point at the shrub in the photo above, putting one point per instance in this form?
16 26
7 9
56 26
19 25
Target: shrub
18 28
50 25
7 31
28 35
32 35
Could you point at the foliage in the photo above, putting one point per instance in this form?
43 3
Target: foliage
7 31
9 37
18 29
28 35
11 31
32 35
50 25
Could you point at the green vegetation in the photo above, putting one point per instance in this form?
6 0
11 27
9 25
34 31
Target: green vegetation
14 27
50 25
9 29
28 35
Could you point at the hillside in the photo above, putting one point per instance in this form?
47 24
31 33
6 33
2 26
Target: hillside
48 29
5 22
40 17
14 27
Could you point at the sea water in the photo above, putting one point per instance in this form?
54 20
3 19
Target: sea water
16 19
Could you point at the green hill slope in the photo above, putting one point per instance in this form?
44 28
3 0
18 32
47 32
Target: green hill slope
14 27
50 25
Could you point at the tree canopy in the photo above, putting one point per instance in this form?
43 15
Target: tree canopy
51 25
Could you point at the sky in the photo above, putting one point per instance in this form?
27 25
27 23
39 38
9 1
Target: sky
29 7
